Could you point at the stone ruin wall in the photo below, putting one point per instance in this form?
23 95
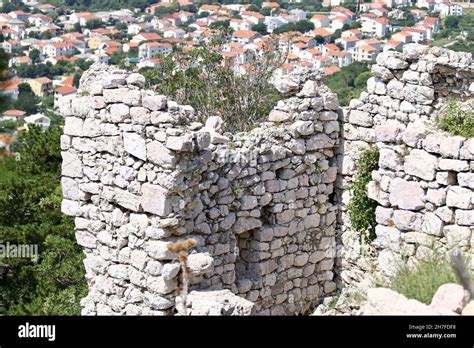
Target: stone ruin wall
267 207
424 186
139 172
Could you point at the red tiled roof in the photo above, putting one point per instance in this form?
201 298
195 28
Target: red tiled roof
68 81
9 85
14 113
43 80
246 34
64 90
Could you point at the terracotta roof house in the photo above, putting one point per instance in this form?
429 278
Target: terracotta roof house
12 115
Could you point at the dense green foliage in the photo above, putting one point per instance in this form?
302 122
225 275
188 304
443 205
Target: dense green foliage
27 100
9 126
422 282
457 120
30 198
98 5
50 71
361 208
349 82
457 32
13 5
301 26
202 81
260 28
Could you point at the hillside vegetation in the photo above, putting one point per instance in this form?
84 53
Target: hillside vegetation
349 82
99 5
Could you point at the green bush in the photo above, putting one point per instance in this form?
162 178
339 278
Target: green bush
199 78
456 121
422 282
361 208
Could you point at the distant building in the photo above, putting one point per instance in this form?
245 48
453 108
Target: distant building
82 18
41 86
447 8
320 21
364 53
56 49
37 120
331 3
393 45
12 115
63 96
16 61
11 45
152 49
146 37
9 88
46 8
245 36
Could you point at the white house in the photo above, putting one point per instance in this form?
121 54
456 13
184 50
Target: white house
63 97
274 22
38 120
245 36
447 8
377 26
320 21
241 24
428 4
340 58
82 18
39 20
419 34
56 49
12 115
152 49
297 14
176 33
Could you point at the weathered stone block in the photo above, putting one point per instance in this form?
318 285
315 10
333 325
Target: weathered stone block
155 200
406 194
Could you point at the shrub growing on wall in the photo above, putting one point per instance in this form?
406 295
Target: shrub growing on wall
361 207
199 78
457 120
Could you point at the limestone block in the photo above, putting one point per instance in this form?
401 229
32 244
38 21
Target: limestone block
135 145
406 194
155 200
421 164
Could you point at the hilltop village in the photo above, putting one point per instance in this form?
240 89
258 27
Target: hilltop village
49 47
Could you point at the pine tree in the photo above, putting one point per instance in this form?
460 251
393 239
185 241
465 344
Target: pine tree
30 199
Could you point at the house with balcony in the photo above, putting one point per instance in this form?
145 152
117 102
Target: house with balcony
150 50
364 53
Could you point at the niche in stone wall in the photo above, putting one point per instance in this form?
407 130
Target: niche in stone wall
247 256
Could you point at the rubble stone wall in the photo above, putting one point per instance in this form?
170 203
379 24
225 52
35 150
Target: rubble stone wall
139 172
425 183
266 207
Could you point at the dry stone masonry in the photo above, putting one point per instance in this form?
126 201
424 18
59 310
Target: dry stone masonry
139 172
267 208
424 186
